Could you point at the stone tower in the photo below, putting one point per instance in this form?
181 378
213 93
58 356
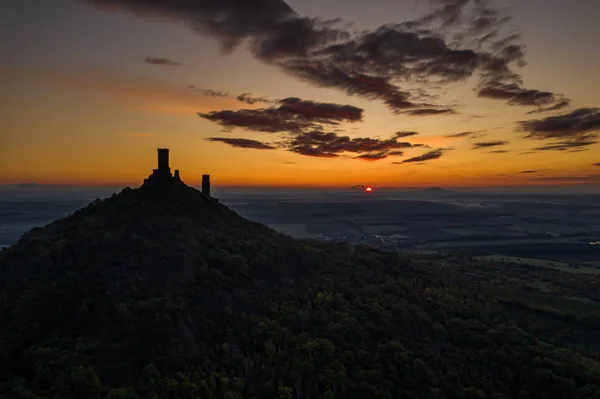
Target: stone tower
206 185
163 160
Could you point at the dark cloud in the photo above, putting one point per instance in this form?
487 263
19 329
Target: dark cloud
242 143
260 120
459 39
248 98
596 164
473 134
488 144
514 94
498 152
406 134
573 131
583 122
430 111
161 61
323 112
400 153
524 172
318 143
292 115
435 154
376 156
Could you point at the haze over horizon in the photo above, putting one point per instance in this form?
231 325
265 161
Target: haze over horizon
450 93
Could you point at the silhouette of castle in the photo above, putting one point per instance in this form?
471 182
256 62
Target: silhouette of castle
162 175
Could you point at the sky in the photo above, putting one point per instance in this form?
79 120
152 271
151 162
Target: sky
309 93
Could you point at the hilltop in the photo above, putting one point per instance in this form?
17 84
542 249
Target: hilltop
164 292
437 190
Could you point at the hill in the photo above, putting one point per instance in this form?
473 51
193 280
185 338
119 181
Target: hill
437 190
163 292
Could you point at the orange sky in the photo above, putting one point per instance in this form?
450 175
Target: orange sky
86 110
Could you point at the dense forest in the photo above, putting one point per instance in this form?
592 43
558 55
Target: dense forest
166 293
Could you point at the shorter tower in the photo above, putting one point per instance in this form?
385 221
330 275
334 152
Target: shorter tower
206 185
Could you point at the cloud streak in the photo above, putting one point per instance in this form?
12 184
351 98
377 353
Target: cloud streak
406 134
435 154
473 134
161 61
242 143
248 98
488 144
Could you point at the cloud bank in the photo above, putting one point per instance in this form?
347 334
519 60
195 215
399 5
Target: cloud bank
292 115
457 40
571 131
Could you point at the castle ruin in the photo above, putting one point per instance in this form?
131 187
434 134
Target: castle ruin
162 176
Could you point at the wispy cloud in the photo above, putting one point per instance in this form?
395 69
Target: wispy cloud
435 154
430 111
161 61
488 144
248 98
568 145
212 93
406 134
469 134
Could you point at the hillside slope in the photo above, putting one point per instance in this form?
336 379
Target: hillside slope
166 293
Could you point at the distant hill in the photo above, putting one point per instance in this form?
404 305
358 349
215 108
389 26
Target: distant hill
163 292
437 190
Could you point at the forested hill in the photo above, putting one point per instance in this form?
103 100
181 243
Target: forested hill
166 293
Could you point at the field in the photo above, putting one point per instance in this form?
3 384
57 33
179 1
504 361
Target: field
562 266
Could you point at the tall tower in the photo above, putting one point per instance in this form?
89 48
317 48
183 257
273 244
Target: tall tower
163 160
206 185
